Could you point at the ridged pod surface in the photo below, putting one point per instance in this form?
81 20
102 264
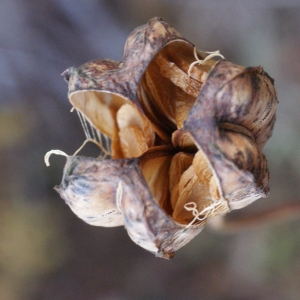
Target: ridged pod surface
181 137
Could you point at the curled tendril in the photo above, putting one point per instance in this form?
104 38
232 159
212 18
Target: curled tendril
192 206
202 61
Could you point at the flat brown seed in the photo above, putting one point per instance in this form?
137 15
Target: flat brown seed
179 164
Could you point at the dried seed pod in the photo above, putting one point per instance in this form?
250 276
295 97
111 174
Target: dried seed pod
84 183
184 133
231 121
147 224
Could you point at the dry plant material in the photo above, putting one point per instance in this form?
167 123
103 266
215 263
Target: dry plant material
180 133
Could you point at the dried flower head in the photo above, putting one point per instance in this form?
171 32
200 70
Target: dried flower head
180 133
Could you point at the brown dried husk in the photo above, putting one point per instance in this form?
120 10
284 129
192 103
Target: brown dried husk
186 142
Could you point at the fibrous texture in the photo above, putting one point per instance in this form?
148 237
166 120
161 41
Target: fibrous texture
180 133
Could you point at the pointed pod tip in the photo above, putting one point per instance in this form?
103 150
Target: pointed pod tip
57 188
67 73
169 255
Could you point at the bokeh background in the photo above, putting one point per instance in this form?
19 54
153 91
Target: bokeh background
46 252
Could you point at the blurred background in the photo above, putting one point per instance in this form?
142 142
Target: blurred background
46 252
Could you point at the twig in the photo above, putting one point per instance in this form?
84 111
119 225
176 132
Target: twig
273 216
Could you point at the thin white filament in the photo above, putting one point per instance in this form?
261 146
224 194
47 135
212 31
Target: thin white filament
91 134
202 61
48 154
93 141
119 195
59 152
192 206
83 124
87 127
94 134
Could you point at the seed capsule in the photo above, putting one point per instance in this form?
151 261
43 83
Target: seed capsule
181 135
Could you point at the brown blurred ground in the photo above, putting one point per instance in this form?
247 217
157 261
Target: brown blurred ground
45 251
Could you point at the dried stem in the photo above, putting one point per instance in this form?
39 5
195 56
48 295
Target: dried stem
272 216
